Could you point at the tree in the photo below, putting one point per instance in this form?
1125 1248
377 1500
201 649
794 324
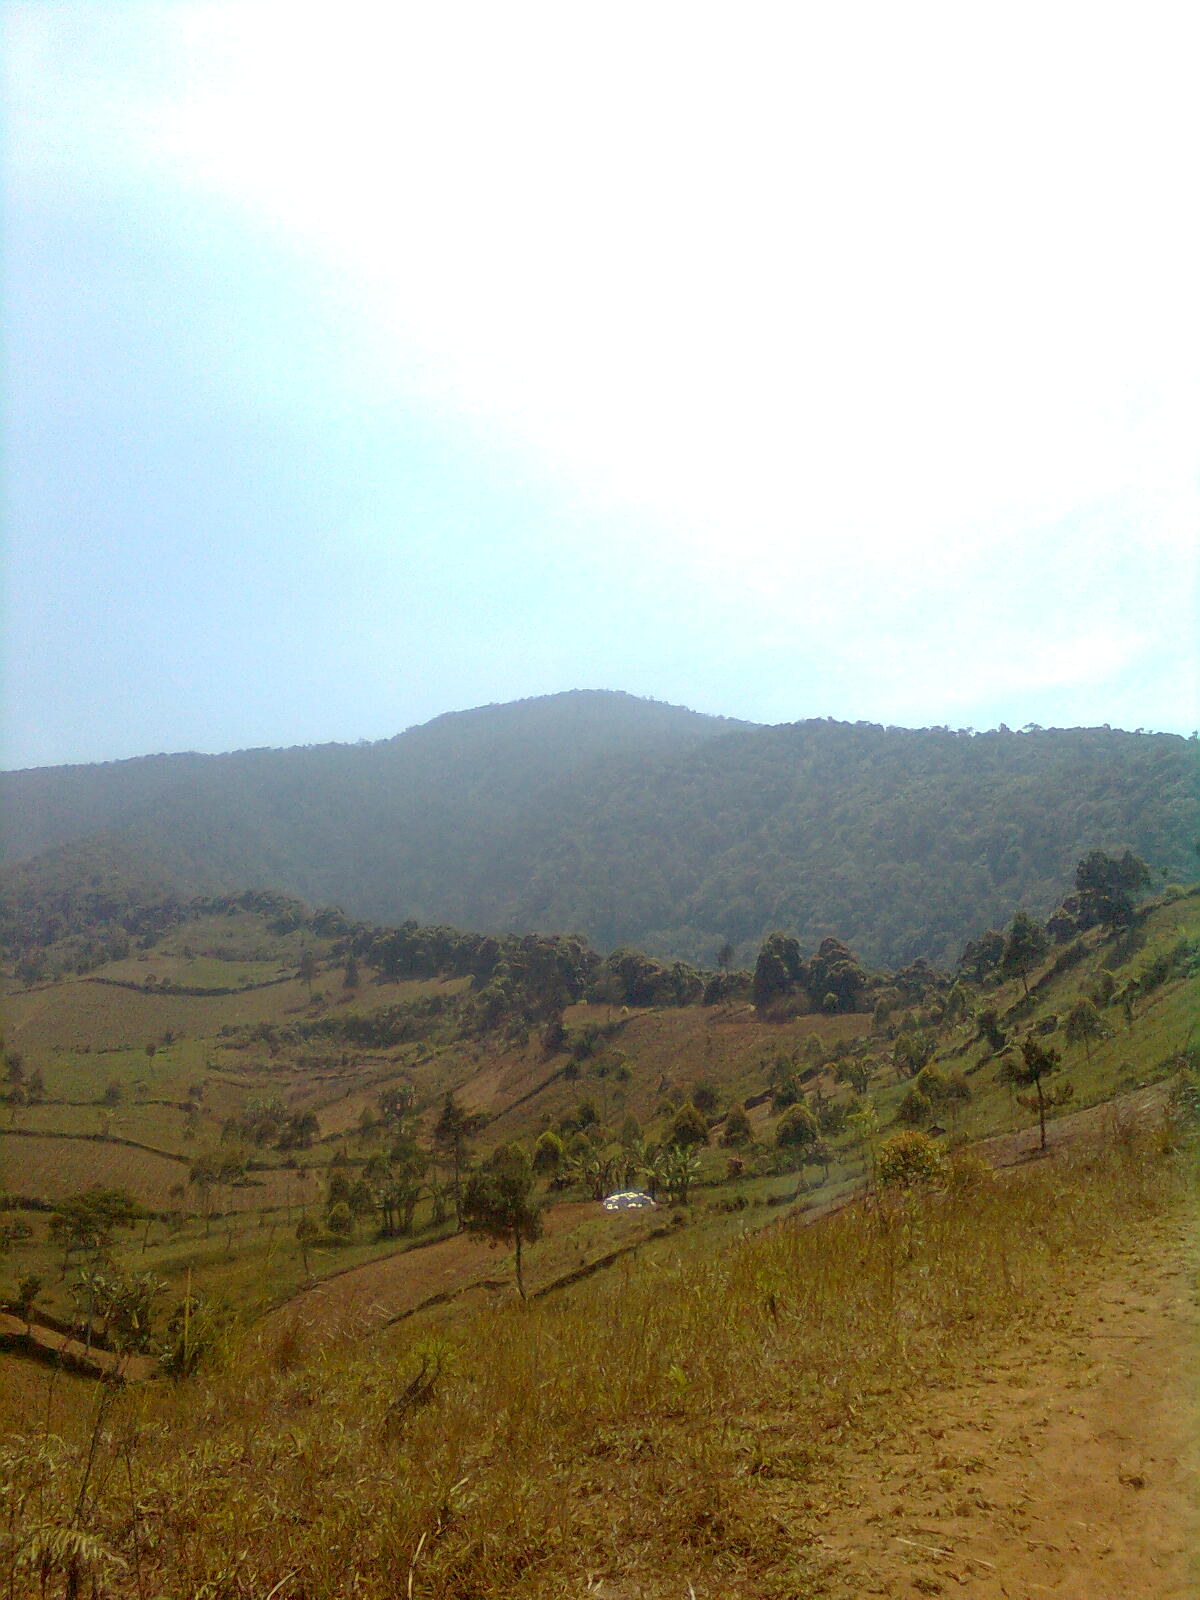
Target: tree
87 1221
340 1219
915 1108
1083 1023
705 1096
796 1127
307 970
28 1290
1106 887
737 1130
1026 944
498 1204
776 970
361 1201
688 1128
548 1153
912 1051
1036 1063
990 1029
452 1133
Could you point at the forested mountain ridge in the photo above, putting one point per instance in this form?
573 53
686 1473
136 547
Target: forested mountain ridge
631 821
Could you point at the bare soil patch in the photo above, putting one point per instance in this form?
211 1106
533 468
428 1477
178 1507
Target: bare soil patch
1064 1463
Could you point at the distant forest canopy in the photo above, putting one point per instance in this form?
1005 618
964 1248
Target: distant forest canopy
624 821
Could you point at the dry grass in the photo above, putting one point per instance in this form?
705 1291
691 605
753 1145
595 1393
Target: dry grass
635 1429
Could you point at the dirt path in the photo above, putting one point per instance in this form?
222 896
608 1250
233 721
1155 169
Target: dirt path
1065 1464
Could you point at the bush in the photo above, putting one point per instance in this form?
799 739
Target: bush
910 1159
914 1109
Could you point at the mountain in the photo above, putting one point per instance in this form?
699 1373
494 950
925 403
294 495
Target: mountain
626 820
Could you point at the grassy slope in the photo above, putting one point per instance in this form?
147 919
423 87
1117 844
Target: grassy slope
664 1422
706 1423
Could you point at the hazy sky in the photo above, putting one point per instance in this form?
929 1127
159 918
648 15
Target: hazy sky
369 361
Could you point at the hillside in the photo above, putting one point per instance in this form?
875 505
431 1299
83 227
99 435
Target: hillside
761 1387
623 820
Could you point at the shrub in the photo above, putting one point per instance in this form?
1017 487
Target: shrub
910 1159
915 1108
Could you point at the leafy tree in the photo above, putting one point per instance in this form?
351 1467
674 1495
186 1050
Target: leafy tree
705 1096
455 1128
911 1051
983 955
88 1221
1036 1063
1106 887
932 1084
1026 944
362 1200
856 1071
307 970
126 1302
340 1219
548 1153
299 1130
631 1132
915 1108
737 1131
990 1029
776 970
833 975
395 1103
688 1128
28 1290
1083 1023
554 1035
796 1128
498 1203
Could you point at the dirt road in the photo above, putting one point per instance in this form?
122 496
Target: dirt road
1065 1463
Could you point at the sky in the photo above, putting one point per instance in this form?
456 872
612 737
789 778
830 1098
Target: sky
367 362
